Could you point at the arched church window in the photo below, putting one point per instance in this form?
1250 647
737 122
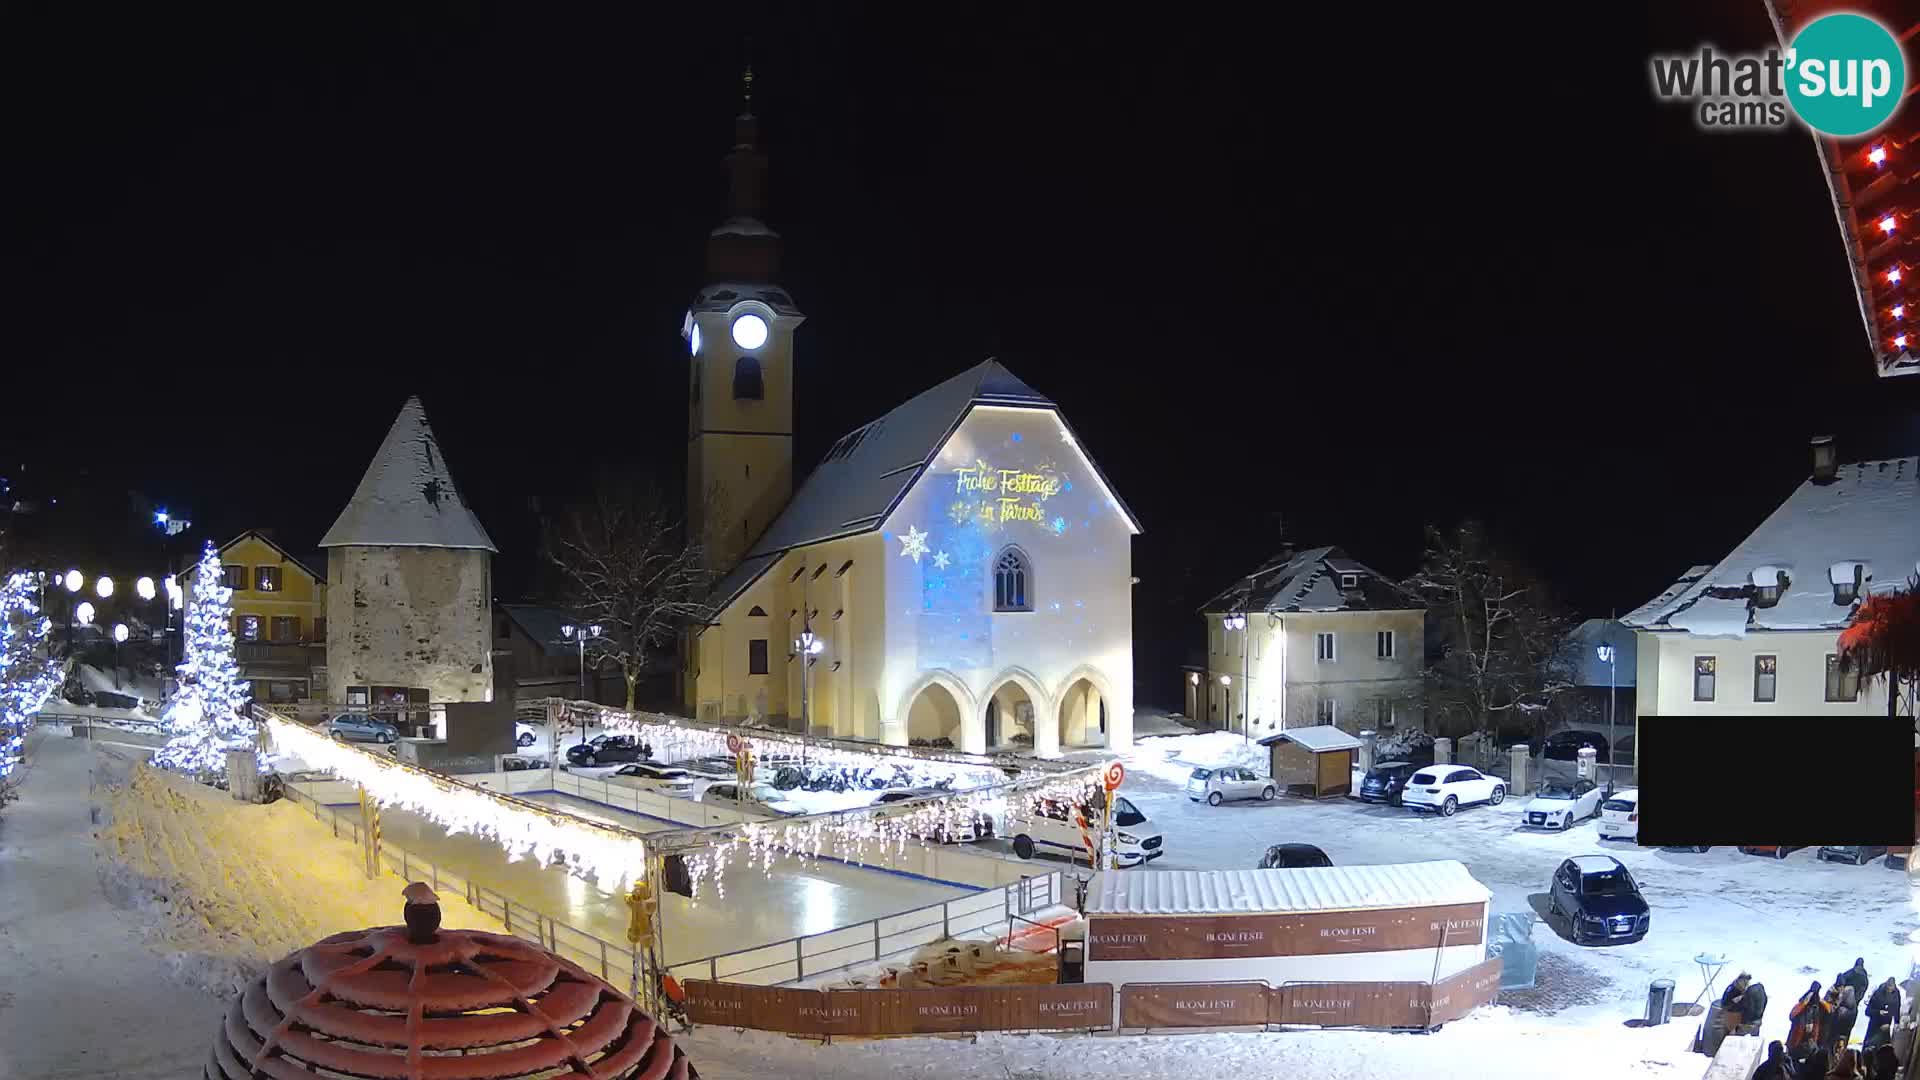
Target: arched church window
1012 581
746 379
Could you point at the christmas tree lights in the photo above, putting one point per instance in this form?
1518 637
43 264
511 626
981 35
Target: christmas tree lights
207 716
28 675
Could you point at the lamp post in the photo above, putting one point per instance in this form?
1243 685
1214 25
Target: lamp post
806 647
1606 655
119 639
581 635
1238 621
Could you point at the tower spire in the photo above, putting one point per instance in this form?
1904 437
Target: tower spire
743 248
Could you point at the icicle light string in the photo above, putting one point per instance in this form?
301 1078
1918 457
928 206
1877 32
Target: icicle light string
611 855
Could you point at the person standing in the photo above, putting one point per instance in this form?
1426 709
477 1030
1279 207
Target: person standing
1809 1024
1845 1014
1883 1008
1753 1009
1776 1067
1856 977
1885 1064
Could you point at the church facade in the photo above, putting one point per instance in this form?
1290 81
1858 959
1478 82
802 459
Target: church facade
955 573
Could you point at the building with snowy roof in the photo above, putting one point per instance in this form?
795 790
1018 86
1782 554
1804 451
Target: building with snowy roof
957 571
409 572
1757 631
1311 637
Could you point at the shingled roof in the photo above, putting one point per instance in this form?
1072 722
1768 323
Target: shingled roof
407 497
1867 517
1310 581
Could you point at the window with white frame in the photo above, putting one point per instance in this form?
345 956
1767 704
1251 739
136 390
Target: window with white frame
1765 675
1328 711
1323 648
1843 683
1383 712
1704 668
1383 644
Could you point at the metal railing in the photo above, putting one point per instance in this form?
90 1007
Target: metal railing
617 964
876 940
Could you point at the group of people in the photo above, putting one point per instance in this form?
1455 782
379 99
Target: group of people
1819 1042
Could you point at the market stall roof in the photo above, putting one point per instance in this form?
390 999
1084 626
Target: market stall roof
1319 738
1318 888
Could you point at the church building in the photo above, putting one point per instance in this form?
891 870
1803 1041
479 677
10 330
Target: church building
955 573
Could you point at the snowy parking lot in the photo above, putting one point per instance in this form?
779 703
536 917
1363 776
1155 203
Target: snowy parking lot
1788 922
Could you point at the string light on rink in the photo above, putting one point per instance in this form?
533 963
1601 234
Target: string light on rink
611 855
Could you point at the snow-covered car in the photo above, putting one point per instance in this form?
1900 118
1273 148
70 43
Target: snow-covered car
1561 803
1444 789
1620 816
1052 825
1228 782
1855 854
359 727
757 797
660 779
1600 901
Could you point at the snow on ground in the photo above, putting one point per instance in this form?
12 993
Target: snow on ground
1495 1043
1173 758
145 687
212 879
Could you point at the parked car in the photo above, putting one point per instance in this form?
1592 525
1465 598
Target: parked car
108 699
1050 824
359 727
1858 856
520 763
1600 901
1293 856
524 733
1444 789
1231 782
1566 746
660 779
758 796
1620 816
978 826
1384 782
608 750
1773 851
1560 803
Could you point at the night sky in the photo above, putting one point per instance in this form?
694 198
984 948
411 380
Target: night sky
1270 272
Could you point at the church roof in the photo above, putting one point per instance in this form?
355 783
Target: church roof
407 497
870 469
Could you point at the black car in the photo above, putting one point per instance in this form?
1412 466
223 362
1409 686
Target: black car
1566 746
1293 856
608 750
1384 781
1600 901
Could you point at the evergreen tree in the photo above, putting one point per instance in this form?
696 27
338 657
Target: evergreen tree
28 674
207 716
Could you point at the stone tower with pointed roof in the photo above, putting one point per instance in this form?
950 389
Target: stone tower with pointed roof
409 570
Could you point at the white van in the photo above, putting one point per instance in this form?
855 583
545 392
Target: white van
1050 826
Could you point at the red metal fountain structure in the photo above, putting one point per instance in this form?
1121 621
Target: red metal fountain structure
421 1003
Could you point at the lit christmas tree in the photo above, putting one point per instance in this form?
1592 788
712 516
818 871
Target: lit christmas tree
28 676
207 715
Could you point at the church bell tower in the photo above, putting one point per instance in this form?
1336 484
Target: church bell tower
739 334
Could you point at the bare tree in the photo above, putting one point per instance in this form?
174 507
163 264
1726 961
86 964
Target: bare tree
626 563
1494 638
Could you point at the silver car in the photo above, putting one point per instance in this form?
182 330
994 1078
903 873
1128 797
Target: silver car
358 727
1229 782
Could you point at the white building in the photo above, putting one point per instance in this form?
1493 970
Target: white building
963 568
1756 632
1311 638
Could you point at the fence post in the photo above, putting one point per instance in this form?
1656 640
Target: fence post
876 939
506 912
406 874
946 923
603 961
800 957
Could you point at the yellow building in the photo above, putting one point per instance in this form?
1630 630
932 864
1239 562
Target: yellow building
956 573
279 617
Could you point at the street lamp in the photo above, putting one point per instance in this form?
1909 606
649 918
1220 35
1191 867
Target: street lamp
84 613
1606 654
806 647
144 588
119 639
1238 622
580 635
74 580
104 587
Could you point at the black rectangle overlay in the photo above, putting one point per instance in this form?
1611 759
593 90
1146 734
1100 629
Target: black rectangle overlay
1793 781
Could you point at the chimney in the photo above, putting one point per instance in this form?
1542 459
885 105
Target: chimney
1826 459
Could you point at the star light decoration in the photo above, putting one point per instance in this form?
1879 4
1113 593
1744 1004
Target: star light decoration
914 544
941 559
611 855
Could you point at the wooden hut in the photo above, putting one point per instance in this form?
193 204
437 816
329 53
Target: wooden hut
1314 761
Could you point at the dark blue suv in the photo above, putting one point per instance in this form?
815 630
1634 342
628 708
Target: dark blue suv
1600 901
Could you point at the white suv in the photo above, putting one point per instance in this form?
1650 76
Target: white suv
1444 789
1052 825
1230 782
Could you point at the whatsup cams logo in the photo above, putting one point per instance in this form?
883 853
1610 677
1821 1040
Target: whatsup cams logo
1842 75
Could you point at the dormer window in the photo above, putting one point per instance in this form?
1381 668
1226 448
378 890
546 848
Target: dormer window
1349 581
1848 579
1768 583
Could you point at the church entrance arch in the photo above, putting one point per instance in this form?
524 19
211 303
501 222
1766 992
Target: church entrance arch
1083 715
934 717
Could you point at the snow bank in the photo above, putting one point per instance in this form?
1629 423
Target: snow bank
1173 759
218 884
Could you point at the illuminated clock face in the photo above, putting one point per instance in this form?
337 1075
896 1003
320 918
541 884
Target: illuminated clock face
749 331
693 340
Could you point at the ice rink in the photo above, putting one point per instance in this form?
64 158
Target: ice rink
757 909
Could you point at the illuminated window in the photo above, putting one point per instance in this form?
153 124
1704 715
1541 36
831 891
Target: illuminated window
1323 647
246 627
266 578
1843 684
1012 582
1765 674
1703 677
234 577
746 379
